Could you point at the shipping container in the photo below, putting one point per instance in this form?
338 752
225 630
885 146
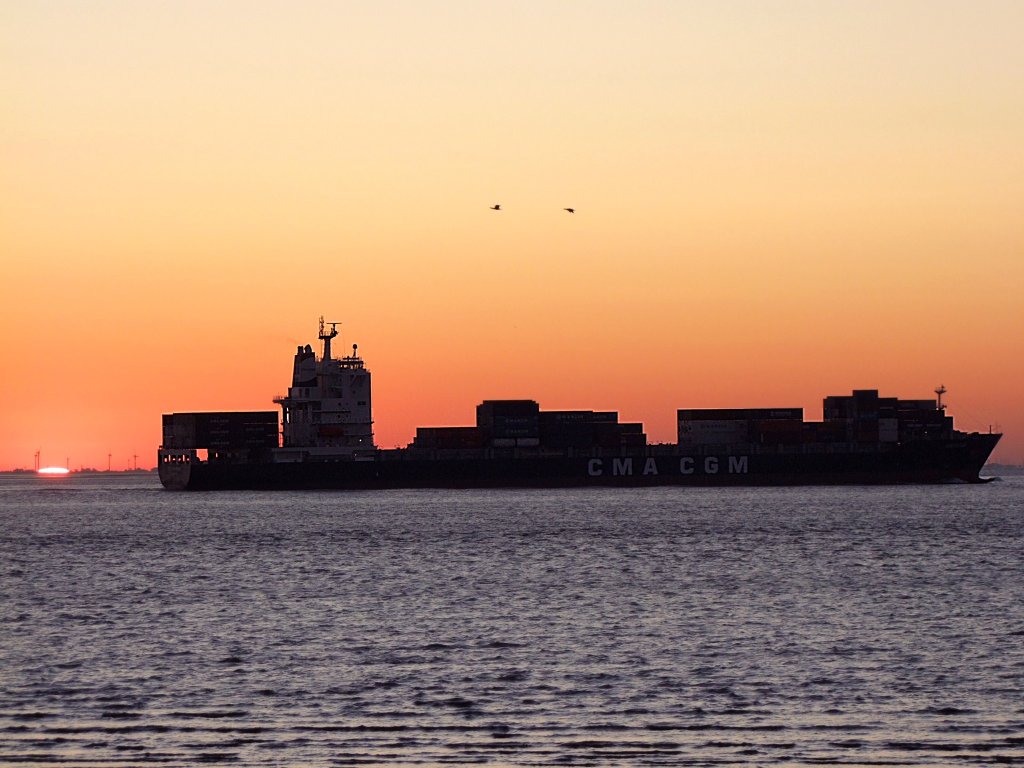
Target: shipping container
575 417
888 430
824 432
738 414
777 431
502 419
222 430
702 432
432 438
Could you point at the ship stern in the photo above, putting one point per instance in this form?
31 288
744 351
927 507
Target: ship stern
174 465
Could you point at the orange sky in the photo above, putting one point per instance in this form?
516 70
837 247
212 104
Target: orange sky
775 202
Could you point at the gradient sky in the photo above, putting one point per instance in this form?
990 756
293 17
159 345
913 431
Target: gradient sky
775 201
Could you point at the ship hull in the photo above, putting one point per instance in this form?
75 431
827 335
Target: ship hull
957 460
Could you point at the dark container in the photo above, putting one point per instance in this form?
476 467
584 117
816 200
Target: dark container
221 429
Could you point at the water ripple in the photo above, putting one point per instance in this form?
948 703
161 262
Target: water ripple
662 627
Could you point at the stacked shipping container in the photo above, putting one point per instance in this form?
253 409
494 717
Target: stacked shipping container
521 424
864 417
225 429
702 427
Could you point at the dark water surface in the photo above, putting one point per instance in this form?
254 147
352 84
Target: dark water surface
865 626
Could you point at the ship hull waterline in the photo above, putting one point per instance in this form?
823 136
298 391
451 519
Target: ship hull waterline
924 463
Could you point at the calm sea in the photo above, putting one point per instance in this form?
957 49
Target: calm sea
864 626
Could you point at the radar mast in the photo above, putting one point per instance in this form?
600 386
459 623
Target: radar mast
326 337
940 391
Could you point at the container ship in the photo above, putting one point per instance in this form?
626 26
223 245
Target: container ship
323 439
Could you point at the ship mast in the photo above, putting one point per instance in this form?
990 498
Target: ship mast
326 337
940 391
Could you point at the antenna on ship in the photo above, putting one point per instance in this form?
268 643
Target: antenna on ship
940 391
326 337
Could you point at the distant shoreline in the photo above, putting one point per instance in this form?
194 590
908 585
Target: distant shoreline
1004 469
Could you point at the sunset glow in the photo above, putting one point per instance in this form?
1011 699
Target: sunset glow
54 471
773 202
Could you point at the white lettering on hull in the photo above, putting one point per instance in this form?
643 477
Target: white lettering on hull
738 465
712 465
622 467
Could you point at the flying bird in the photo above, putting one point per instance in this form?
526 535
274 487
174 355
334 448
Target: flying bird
570 210
496 207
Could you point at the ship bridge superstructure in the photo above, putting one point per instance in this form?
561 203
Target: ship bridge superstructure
327 412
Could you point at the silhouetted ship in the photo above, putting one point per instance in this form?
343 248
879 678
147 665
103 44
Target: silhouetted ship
325 440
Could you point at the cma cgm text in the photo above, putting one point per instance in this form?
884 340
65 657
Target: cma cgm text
688 465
